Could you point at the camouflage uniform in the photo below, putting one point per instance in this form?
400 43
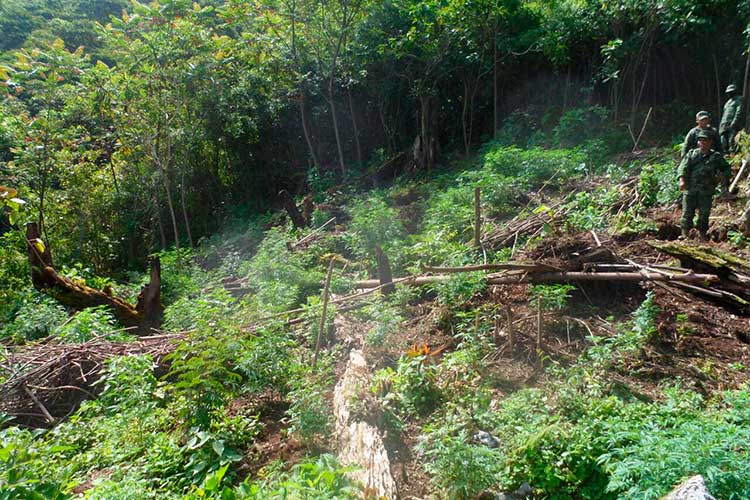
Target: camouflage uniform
691 139
731 119
700 172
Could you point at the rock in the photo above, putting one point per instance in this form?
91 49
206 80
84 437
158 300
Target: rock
522 493
486 439
692 489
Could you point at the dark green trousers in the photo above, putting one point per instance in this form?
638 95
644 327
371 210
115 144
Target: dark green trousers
727 140
700 201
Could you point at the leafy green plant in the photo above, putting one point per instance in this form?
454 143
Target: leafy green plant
89 323
309 415
411 389
37 316
460 288
658 185
553 297
19 468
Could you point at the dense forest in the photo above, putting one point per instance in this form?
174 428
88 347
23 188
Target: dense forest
475 200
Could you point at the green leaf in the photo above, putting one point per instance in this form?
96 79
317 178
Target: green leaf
218 447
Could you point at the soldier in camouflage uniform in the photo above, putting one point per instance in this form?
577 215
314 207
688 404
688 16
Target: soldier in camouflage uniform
702 122
731 118
700 170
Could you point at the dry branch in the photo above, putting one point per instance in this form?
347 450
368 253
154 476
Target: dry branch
54 377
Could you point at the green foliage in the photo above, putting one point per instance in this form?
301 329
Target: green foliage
578 125
268 360
462 469
204 370
89 323
386 319
460 288
19 478
190 312
591 210
309 414
320 477
553 297
374 223
411 389
35 316
127 382
280 278
658 185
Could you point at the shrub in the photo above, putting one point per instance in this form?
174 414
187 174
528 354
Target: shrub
37 316
89 323
658 184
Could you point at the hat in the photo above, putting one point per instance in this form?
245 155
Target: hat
703 134
731 88
702 115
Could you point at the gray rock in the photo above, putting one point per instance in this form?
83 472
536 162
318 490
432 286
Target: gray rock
692 489
486 439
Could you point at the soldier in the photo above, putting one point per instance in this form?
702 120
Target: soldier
731 118
700 170
702 122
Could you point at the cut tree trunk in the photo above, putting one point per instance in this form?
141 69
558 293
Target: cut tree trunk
291 208
145 315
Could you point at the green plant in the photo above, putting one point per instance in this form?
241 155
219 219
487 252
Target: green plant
658 185
462 469
411 389
89 323
19 467
36 316
460 288
553 297
309 414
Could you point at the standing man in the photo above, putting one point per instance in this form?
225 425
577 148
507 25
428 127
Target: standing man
700 171
731 118
702 122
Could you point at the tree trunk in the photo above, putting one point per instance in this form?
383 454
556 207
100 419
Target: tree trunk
291 208
336 132
356 129
424 154
146 314
306 129
184 209
172 215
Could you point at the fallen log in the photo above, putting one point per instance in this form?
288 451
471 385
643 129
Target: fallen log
561 277
490 267
145 315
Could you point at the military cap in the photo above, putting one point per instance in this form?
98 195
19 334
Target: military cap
702 115
703 134
731 88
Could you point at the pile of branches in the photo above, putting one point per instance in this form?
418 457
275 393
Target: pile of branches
45 382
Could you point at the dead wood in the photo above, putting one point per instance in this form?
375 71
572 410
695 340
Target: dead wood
384 271
44 382
291 209
562 277
733 287
145 315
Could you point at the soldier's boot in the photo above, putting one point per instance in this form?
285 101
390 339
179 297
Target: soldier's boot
703 236
684 234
